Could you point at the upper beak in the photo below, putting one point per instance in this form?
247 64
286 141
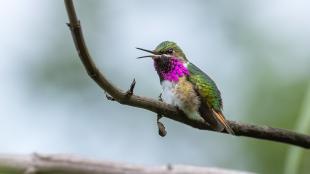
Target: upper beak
154 54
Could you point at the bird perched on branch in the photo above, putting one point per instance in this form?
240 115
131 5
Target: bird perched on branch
187 87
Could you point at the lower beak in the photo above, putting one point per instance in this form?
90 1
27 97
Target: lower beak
141 57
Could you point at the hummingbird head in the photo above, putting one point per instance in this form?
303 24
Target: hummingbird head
167 49
170 48
169 61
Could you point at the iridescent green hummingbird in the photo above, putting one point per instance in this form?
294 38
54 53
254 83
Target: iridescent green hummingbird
188 88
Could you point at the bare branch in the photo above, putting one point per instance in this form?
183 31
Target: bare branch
69 164
168 111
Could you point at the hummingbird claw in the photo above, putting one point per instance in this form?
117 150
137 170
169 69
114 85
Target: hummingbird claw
159 97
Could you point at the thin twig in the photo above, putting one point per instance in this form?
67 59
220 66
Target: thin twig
131 88
240 129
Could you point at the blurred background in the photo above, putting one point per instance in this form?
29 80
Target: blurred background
257 52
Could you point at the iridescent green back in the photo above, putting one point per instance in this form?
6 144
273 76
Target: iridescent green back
206 87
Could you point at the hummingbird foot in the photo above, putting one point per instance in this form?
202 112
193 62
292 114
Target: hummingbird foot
131 88
159 97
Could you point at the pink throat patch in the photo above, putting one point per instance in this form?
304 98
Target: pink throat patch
177 70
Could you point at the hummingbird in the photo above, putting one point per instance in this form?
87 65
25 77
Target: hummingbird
187 87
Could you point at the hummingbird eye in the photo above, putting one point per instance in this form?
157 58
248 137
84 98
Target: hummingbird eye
170 51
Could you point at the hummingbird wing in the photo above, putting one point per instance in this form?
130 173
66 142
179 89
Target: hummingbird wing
211 101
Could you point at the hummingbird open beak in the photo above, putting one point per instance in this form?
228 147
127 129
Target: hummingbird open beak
154 54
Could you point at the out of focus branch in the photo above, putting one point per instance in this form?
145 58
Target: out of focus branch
128 98
68 164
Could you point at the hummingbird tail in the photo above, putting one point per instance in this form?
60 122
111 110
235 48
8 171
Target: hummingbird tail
221 119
